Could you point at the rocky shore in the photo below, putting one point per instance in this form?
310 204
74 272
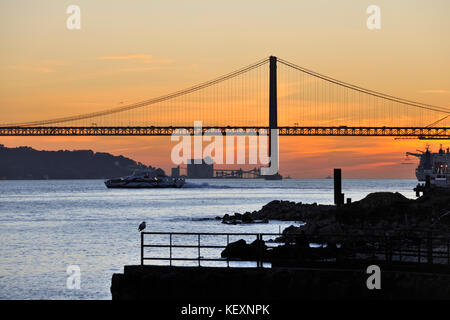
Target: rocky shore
380 223
278 210
385 211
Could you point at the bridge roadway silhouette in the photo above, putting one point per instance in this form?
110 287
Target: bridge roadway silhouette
419 132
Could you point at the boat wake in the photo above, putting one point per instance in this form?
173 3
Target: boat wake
204 185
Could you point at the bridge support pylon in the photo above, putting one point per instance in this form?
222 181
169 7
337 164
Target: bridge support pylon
273 108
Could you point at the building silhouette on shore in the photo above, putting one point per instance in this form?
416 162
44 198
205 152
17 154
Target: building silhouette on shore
200 169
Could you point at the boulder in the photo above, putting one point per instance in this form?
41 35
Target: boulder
241 250
247 218
381 199
236 249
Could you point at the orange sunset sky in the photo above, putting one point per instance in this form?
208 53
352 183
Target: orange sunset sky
128 51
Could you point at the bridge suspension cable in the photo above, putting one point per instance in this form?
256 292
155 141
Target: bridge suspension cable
310 99
363 90
140 104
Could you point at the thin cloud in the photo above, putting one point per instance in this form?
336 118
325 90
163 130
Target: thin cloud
43 66
128 57
37 69
434 91
126 70
370 165
44 70
141 58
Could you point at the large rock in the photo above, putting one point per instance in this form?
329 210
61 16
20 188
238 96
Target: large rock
380 199
238 249
241 250
279 210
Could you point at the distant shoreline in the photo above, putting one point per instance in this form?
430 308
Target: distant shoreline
25 163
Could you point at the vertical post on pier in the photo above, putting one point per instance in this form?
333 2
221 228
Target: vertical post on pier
273 113
429 247
338 195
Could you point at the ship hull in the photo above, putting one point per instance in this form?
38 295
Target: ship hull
142 184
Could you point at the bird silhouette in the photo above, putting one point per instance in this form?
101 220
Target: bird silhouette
142 226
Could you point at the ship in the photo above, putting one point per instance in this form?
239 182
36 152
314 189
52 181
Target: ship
275 176
436 166
147 178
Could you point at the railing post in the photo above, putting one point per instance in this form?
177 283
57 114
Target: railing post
385 248
170 249
228 242
430 247
199 249
259 248
388 248
418 253
257 251
142 248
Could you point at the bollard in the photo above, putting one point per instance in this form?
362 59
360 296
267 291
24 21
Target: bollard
338 195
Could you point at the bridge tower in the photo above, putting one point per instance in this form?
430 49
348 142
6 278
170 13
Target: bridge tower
273 121
273 112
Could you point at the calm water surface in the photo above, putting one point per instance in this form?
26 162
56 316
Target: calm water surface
45 226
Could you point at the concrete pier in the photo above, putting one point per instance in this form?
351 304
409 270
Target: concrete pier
274 284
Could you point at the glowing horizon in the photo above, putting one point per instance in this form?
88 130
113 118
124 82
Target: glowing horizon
125 54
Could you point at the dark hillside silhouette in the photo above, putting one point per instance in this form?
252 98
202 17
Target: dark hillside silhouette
28 163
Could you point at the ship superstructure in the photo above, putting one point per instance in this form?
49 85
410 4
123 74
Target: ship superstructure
435 165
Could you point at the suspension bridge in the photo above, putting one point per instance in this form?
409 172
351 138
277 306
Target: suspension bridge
269 94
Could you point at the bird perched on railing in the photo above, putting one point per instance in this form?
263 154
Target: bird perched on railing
142 226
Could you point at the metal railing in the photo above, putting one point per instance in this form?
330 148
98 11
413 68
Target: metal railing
419 248
413 249
200 243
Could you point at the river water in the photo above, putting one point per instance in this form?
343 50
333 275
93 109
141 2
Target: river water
46 226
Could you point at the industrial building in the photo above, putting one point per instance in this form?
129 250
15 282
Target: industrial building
197 169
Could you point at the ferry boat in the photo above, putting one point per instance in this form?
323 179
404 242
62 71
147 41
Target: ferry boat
148 178
435 165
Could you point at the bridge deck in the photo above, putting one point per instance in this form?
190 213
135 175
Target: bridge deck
418 132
